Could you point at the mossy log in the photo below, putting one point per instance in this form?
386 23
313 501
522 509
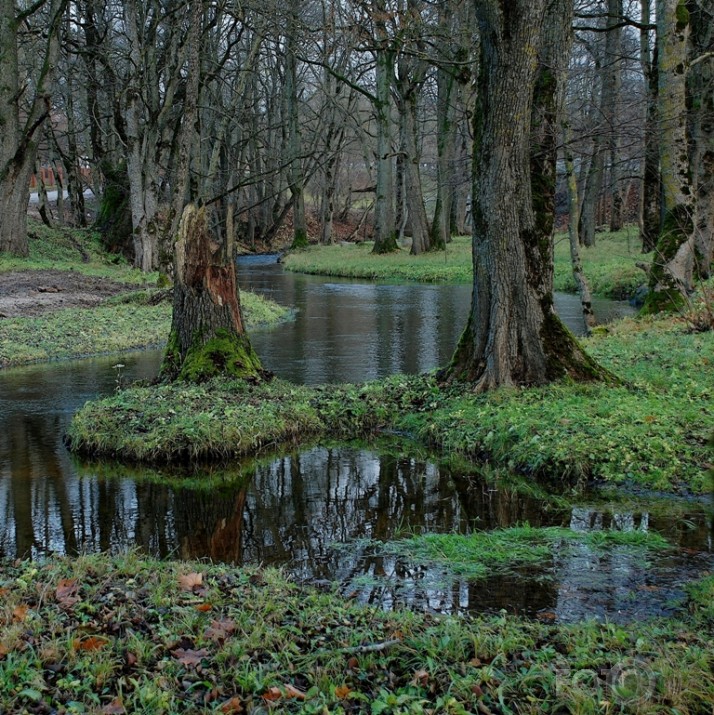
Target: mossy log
207 330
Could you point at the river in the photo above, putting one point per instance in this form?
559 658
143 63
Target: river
292 510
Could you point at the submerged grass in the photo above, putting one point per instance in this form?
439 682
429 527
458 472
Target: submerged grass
483 553
610 265
652 432
126 634
122 323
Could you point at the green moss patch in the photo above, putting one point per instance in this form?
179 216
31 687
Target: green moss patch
127 634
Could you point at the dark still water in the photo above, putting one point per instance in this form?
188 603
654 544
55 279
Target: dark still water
353 332
321 513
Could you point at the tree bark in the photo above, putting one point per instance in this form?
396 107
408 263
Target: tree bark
513 336
672 269
207 336
21 134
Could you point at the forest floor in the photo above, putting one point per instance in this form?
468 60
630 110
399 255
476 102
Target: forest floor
127 634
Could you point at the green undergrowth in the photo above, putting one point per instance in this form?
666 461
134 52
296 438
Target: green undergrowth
121 323
127 634
73 249
610 265
483 553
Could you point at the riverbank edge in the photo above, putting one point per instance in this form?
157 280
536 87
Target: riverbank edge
126 322
651 432
127 633
612 266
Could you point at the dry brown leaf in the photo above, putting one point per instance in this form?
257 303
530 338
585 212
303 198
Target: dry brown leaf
131 660
189 658
90 643
353 663
115 707
342 692
272 694
4 650
203 607
292 692
220 630
421 677
190 581
19 613
66 592
234 705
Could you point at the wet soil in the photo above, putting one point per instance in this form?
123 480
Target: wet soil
31 293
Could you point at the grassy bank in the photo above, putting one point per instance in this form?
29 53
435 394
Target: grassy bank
71 249
124 634
127 322
650 432
610 265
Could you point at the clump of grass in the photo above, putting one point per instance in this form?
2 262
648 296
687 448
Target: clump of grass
122 323
130 634
484 553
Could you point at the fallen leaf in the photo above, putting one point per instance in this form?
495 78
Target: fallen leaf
115 707
234 705
190 581
272 694
421 677
4 650
66 592
220 630
353 663
131 660
292 692
342 692
19 613
90 643
203 607
189 658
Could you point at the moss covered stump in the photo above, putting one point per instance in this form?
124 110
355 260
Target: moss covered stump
207 336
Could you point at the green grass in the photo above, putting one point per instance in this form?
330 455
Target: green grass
609 265
483 553
72 249
357 261
125 322
129 634
650 432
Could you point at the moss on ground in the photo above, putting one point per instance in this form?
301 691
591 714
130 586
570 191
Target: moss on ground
127 634
610 265
652 431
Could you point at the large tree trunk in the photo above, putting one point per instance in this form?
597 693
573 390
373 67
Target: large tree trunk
513 336
385 234
207 336
701 94
650 205
672 269
20 135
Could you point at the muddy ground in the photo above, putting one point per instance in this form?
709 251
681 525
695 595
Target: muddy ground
29 293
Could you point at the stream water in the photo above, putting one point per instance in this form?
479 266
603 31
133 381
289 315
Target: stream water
323 512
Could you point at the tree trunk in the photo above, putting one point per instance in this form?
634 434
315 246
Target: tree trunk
445 139
207 336
20 135
672 269
513 336
385 235
650 208
701 101
611 101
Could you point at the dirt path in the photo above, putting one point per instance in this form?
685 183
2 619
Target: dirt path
28 293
